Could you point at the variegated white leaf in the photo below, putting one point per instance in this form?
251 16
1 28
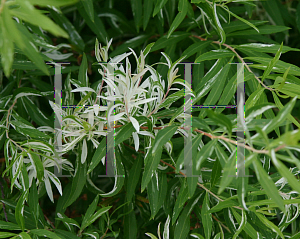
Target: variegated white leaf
48 187
135 123
83 89
84 151
56 181
136 141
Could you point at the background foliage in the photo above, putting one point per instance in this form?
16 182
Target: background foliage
150 201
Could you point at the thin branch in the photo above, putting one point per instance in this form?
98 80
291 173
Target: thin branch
48 220
238 56
214 217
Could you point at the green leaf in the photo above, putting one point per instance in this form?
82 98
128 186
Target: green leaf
37 165
216 173
26 11
148 7
82 74
196 235
132 43
119 176
55 3
35 113
274 11
221 120
124 133
203 88
298 16
19 210
97 26
268 184
272 63
95 217
136 6
34 203
90 211
280 117
151 235
242 225
166 228
61 201
9 226
215 94
45 233
265 29
157 192
75 38
134 176
269 224
242 19
24 235
25 91
172 98
182 197
195 48
214 54
151 164
78 182
130 223
254 98
179 17
268 48
218 25
183 226
208 80
6 234
247 228
284 172
98 155
66 234
67 221
6 45
89 8
242 188
280 106
25 179
230 90
279 67
206 217
165 41
159 5
223 204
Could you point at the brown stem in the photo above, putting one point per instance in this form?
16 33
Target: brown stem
48 220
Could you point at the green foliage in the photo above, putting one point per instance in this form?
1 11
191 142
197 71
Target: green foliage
143 103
